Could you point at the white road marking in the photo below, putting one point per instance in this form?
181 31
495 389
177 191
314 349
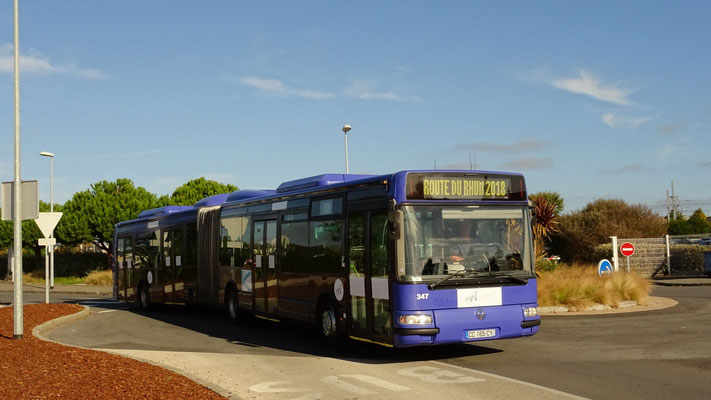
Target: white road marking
269 387
378 382
531 385
437 375
348 387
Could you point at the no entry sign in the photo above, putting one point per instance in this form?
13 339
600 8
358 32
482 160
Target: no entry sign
627 249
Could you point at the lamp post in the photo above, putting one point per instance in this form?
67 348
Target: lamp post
51 209
346 128
17 320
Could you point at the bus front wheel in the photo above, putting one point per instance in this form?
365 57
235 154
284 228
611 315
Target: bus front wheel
328 322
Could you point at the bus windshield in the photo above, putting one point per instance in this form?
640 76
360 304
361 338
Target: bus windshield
466 241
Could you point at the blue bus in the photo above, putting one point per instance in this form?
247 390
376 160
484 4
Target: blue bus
404 259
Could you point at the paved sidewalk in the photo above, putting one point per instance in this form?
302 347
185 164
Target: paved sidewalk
101 290
682 281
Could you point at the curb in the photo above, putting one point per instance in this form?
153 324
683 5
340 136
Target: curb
39 331
671 283
596 307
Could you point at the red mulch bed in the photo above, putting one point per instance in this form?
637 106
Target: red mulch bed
31 368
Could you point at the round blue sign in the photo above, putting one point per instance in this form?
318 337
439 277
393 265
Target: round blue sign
604 267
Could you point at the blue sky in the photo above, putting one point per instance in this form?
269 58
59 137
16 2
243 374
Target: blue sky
590 99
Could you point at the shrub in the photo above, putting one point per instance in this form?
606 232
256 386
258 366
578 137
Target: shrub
582 231
104 277
545 265
65 264
688 257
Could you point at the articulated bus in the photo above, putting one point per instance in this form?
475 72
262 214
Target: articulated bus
404 259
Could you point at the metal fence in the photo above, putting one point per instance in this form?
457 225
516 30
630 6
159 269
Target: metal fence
664 256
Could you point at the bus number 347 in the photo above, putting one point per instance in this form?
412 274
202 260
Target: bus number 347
422 296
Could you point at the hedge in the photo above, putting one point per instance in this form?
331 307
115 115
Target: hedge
65 264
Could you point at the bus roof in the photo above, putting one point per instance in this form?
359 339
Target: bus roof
318 183
313 184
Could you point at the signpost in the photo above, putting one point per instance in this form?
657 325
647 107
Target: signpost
604 267
46 223
627 250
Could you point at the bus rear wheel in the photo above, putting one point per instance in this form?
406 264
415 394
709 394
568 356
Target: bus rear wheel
143 297
231 305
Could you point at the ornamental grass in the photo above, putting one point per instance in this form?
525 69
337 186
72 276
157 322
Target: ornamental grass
578 286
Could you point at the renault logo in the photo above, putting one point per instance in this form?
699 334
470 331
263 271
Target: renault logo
480 314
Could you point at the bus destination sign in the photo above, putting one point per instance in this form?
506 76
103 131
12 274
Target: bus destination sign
464 187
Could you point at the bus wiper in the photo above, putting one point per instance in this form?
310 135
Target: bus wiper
510 277
463 272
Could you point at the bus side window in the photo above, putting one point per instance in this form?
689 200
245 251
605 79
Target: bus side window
325 244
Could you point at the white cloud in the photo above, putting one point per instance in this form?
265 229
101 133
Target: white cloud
528 163
275 87
624 169
664 152
35 63
366 90
672 129
589 85
618 121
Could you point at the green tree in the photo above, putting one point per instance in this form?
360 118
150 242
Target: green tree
679 225
698 223
580 232
695 224
545 222
550 197
90 216
196 190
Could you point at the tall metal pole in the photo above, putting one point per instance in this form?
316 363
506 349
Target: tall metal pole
346 128
51 209
346 138
17 320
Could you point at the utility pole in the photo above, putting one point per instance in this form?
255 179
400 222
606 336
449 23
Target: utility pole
674 203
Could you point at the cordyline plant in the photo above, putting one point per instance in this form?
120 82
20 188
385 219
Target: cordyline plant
545 222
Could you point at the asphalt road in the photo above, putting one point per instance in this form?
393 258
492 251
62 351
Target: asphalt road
651 355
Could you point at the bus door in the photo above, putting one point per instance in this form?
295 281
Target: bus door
264 256
124 264
368 279
173 289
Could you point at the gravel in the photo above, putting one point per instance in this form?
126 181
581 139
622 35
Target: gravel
34 369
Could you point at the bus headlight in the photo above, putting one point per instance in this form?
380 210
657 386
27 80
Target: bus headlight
530 312
416 319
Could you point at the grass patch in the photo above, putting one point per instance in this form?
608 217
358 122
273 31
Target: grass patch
37 277
578 286
92 278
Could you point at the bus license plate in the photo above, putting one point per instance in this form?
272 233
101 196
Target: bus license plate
481 333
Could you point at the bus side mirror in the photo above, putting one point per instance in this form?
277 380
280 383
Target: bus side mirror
394 218
394 230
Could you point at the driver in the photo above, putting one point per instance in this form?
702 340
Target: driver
467 235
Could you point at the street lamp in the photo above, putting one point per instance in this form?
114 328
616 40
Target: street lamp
51 209
346 128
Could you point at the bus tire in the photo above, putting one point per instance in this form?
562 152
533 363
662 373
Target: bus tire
143 296
327 320
232 304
